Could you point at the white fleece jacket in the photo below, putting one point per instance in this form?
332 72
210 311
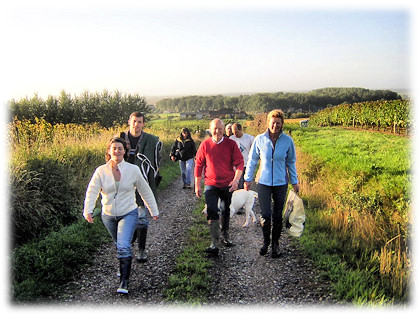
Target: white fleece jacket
118 203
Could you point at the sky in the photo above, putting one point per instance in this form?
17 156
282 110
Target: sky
203 49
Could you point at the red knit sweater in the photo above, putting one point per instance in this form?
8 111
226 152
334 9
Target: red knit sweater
219 162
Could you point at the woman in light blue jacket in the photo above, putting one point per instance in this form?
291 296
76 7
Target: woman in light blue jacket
276 151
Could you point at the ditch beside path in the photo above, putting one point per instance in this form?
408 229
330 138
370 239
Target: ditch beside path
240 275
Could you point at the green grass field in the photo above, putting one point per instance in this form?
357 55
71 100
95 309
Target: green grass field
357 188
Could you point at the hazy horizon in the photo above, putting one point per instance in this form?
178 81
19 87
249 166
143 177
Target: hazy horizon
192 49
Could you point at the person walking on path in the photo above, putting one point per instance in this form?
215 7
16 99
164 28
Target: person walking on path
228 130
117 182
144 151
183 150
244 142
276 152
222 163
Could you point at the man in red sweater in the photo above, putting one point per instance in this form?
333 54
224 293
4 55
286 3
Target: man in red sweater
222 163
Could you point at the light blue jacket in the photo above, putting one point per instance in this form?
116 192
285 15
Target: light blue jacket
277 162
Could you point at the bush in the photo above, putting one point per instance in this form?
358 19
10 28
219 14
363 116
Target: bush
42 198
40 266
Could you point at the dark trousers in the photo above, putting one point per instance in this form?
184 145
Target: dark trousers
278 195
212 195
241 180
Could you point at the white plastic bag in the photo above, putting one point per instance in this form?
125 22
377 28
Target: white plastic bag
294 215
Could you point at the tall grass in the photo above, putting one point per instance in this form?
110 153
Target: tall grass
358 186
50 167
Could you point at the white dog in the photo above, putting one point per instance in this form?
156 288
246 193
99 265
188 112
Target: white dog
241 198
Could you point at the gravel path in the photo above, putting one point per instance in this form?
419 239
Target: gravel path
240 275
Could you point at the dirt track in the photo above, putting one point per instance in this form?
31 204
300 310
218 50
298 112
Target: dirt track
240 275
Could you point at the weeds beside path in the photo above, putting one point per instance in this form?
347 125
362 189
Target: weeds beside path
238 276
98 283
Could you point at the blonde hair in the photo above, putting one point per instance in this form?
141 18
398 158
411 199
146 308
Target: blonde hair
277 113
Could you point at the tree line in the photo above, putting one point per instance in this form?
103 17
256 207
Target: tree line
308 102
110 108
106 108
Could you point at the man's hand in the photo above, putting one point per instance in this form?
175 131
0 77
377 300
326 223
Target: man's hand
197 185
233 185
198 192
247 186
296 188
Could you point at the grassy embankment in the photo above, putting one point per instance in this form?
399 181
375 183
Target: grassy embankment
50 167
357 188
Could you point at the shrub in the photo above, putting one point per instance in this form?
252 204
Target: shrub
39 267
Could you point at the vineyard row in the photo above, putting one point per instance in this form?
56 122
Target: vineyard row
376 114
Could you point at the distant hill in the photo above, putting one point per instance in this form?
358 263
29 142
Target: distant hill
289 102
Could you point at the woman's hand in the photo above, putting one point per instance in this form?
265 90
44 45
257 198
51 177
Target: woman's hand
155 217
173 158
89 218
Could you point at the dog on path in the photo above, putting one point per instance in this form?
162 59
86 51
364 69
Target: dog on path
241 198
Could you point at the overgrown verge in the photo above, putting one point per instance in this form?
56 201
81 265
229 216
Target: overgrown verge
358 213
39 267
190 282
49 170
359 284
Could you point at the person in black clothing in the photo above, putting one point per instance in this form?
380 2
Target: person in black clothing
183 150
143 151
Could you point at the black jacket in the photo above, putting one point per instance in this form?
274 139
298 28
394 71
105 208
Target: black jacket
183 150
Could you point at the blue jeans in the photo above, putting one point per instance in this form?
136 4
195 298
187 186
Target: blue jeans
278 193
121 229
186 170
143 219
212 195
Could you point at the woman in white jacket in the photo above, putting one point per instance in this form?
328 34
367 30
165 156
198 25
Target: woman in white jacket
116 181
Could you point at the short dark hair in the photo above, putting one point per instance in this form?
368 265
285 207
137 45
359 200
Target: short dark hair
137 114
238 125
119 140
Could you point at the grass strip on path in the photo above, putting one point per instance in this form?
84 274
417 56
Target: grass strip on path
190 282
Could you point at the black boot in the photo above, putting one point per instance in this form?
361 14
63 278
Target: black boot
134 237
266 229
142 235
275 248
125 269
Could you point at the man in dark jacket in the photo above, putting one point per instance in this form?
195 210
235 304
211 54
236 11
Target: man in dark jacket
144 151
183 150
